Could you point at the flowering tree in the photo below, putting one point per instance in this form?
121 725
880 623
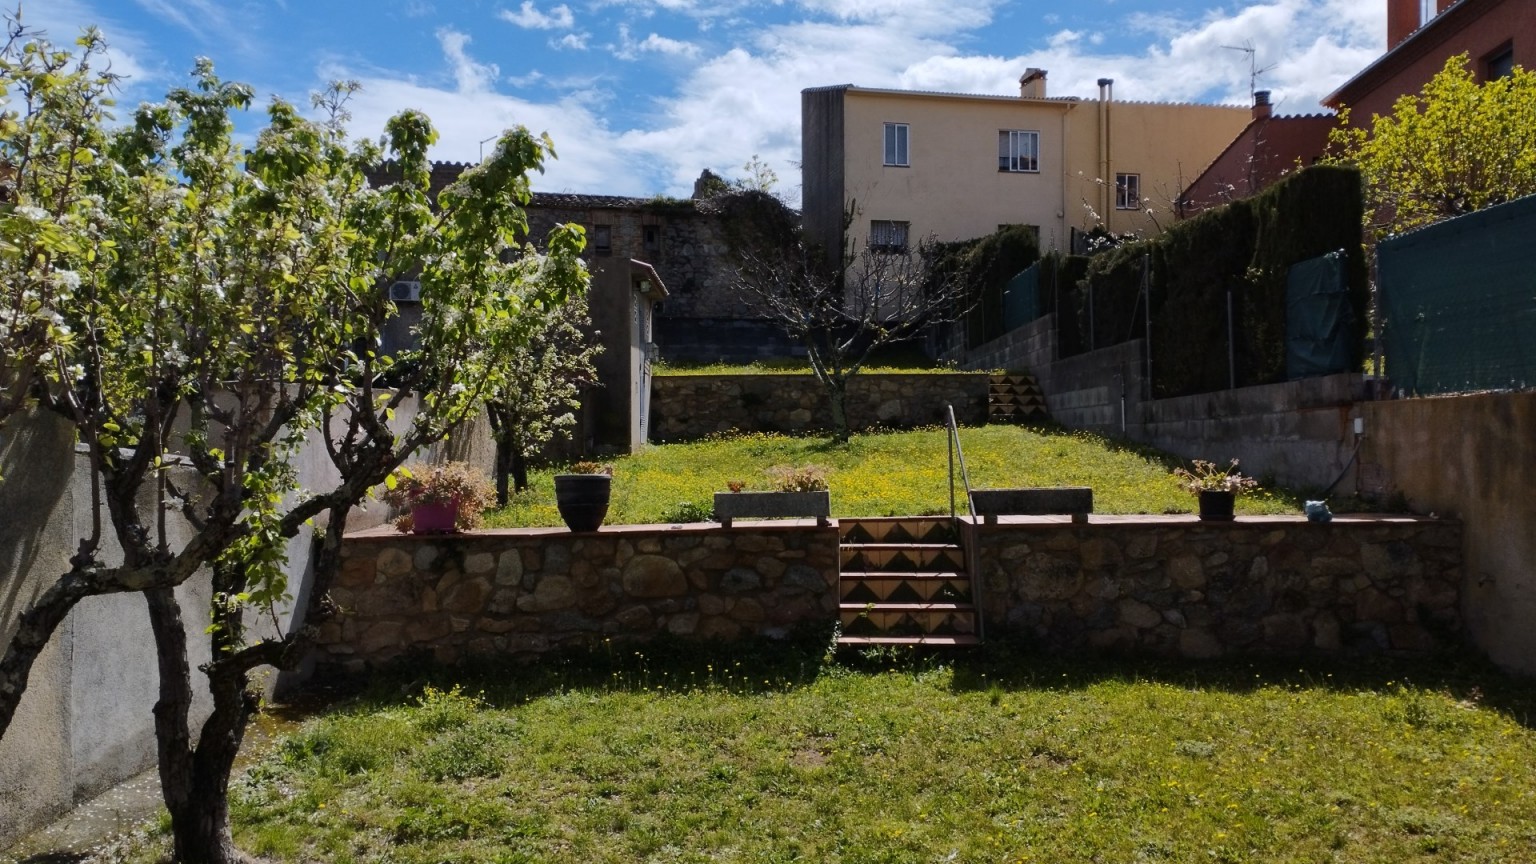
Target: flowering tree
50 134
223 308
1455 147
543 381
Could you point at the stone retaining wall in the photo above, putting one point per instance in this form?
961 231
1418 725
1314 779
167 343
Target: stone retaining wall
1175 586
526 592
689 407
1159 585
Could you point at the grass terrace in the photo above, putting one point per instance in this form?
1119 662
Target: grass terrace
777 754
886 474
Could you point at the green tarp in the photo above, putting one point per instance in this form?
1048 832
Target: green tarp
1021 299
1319 325
1457 303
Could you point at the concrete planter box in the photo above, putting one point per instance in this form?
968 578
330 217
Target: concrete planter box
772 505
1074 501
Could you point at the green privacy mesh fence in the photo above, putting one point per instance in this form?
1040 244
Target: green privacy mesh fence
1457 303
1021 298
1319 319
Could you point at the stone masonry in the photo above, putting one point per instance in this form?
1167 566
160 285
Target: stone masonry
526 592
688 407
1175 586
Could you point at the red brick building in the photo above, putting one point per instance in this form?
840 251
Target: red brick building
1496 35
1266 150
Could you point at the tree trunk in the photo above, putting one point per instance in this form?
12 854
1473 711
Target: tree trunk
194 781
837 396
519 468
504 462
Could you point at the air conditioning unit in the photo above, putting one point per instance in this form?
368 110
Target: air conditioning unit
405 292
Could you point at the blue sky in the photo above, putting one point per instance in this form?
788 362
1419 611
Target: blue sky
641 95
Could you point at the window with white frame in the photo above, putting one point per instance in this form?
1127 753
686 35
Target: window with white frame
887 236
1127 191
896 144
1018 150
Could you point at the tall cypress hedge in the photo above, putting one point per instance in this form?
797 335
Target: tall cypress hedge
985 265
1247 248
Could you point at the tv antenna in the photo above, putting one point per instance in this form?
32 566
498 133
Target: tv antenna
1253 64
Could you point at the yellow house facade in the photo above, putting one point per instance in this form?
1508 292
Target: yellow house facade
912 164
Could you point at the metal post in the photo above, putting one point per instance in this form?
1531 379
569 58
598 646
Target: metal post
949 438
1231 348
1146 299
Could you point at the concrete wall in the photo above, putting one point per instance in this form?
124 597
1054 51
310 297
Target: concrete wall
1299 432
1472 457
1178 587
526 592
84 723
1022 349
689 407
1100 390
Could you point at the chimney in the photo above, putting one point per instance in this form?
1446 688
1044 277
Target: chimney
1261 107
1402 19
1032 84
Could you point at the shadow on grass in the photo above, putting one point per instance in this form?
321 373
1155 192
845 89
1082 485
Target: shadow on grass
758 666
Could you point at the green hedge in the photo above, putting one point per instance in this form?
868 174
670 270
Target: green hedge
1247 248
985 265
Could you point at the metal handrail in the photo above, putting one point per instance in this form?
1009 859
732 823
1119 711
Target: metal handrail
965 477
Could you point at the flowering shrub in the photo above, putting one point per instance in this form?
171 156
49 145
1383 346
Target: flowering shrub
439 484
591 468
810 478
1208 478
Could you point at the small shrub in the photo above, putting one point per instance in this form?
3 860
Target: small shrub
472 751
408 488
808 478
441 710
689 511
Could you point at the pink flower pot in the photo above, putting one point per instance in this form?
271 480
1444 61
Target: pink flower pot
435 518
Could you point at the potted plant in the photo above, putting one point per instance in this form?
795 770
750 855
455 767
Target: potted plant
582 495
1217 488
795 492
438 499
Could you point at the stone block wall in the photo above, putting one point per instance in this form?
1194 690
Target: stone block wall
688 407
526 592
1174 586
1023 349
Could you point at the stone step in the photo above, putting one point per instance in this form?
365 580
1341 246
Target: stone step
908 619
903 558
959 641
904 587
897 529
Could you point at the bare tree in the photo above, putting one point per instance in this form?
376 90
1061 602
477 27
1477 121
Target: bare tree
842 304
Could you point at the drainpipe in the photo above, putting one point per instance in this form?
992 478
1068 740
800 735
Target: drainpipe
1106 200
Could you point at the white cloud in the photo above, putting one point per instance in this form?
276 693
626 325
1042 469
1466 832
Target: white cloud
628 48
472 114
469 75
571 42
529 17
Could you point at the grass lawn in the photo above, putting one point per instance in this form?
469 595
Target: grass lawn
997 756
898 473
